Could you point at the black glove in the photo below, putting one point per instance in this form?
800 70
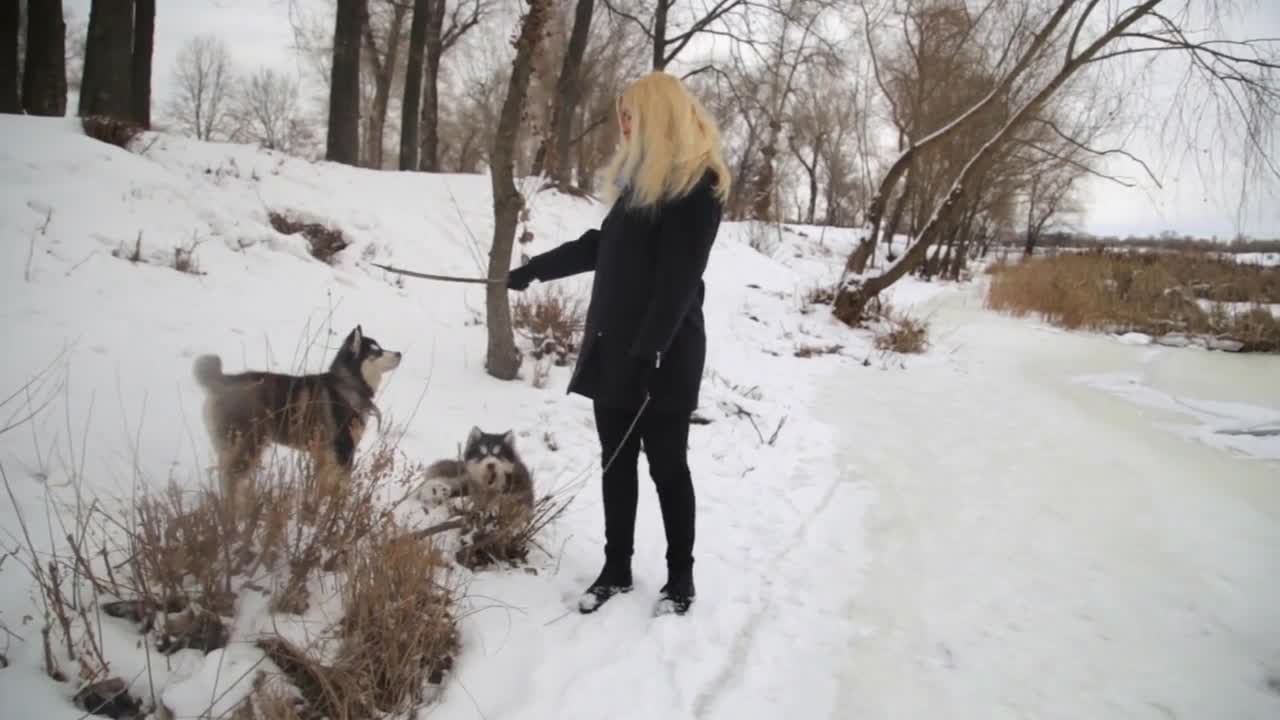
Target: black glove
519 278
645 367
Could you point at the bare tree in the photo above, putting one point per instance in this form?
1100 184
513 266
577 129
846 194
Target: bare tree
342 143
144 25
663 30
108 57
203 81
1041 55
10 20
267 112
382 48
569 90
413 86
502 360
44 71
466 15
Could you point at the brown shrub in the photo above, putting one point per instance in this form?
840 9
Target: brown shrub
901 333
1153 293
552 320
503 532
325 242
110 130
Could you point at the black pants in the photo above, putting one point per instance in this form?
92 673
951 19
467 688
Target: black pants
666 444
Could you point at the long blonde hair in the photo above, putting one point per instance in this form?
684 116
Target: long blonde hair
673 143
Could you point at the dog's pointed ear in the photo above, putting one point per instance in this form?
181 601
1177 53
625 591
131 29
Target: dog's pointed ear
509 437
354 338
474 435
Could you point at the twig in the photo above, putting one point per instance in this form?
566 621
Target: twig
774 437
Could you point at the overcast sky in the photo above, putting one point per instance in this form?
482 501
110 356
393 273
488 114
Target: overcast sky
258 33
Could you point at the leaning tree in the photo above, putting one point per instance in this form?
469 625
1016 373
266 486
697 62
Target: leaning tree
1050 46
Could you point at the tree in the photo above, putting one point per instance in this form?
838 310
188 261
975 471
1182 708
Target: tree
1041 54
266 111
666 41
44 72
569 90
439 39
413 87
342 144
105 89
383 51
203 78
10 19
502 360
144 25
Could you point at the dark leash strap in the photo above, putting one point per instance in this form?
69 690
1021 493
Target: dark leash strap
441 278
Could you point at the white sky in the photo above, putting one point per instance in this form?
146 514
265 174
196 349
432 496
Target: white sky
258 33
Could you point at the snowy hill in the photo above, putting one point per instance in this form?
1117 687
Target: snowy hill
93 232
1042 541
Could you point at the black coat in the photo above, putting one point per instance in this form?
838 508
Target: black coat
646 300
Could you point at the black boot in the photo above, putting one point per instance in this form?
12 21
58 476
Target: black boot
677 595
613 579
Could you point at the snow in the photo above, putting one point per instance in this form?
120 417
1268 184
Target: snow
1016 523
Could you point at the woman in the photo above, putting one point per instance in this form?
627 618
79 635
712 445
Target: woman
644 344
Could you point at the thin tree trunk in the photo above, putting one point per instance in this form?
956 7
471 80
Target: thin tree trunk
107 60
413 87
569 89
144 25
660 34
10 19
429 157
384 67
502 360
44 72
342 144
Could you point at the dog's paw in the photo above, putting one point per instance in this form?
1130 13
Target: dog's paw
433 493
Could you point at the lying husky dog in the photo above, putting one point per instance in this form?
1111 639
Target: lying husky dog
490 468
323 414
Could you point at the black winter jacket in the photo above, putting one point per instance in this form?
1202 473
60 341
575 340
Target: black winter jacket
644 323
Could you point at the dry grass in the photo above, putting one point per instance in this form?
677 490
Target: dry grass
1153 293
110 130
552 320
503 532
901 333
808 351
325 242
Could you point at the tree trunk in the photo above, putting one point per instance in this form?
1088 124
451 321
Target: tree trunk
569 89
384 67
10 19
660 34
144 25
44 72
502 360
429 159
108 58
342 145
413 87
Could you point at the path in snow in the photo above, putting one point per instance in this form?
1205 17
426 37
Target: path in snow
1042 548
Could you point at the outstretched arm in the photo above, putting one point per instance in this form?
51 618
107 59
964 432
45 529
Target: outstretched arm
684 245
570 258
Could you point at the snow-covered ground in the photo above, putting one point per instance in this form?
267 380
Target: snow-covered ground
983 531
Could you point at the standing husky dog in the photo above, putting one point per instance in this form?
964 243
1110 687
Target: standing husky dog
490 467
323 414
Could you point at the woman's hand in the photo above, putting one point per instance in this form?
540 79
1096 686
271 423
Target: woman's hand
519 278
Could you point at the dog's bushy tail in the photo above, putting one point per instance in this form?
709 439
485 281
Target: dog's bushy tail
208 370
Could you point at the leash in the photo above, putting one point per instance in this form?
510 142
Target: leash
442 278
627 435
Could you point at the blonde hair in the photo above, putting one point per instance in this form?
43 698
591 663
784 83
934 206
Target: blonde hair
673 143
